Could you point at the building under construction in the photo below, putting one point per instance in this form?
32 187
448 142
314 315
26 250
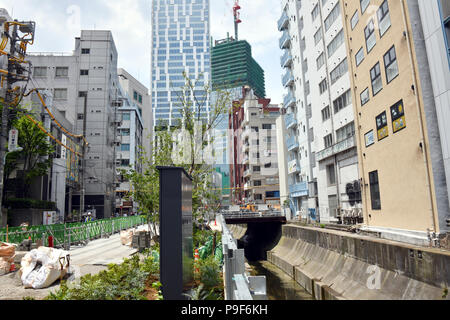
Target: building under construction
233 66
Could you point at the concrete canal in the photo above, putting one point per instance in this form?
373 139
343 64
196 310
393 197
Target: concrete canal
279 285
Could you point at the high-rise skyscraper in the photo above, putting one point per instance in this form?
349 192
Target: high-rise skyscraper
180 43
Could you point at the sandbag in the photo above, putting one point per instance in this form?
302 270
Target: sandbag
41 267
7 250
126 237
5 266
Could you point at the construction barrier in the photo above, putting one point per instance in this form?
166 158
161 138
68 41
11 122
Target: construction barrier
70 233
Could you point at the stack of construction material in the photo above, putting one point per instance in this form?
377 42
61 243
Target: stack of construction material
7 253
126 237
141 240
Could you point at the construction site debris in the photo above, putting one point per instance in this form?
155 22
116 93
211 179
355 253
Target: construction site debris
41 267
126 237
7 254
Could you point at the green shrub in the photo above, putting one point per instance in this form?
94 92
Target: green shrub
209 272
119 282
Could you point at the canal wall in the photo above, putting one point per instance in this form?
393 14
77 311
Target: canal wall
333 264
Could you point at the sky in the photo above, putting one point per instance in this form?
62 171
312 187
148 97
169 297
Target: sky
58 22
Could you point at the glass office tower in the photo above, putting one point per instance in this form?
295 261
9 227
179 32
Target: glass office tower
180 42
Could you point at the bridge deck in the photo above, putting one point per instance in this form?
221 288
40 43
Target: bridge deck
253 217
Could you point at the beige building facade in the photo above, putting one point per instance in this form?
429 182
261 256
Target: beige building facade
400 159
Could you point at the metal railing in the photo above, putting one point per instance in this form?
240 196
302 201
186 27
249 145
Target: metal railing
288 100
238 285
70 233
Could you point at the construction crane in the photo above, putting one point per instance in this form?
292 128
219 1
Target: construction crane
237 19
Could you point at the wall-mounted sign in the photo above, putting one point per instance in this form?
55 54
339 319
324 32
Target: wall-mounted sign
398 116
13 139
370 138
63 149
292 166
382 127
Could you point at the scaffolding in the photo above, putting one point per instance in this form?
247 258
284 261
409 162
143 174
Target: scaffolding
233 66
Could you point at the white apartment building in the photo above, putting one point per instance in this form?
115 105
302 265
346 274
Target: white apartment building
139 95
322 161
85 89
129 142
296 106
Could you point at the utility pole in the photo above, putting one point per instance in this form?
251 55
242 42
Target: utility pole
5 116
83 161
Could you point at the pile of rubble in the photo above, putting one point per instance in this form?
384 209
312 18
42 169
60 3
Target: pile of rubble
7 255
140 238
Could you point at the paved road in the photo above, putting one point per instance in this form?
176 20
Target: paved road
89 259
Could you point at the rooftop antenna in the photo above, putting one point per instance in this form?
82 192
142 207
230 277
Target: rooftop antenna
237 19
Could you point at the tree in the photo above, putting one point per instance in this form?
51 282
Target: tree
187 144
34 159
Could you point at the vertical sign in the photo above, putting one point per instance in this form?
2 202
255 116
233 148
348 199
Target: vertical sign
382 126
13 138
175 212
398 116
63 149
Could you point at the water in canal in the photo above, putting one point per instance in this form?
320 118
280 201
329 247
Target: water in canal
279 285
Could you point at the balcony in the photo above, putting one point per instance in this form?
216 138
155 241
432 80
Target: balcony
285 40
298 190
337 148
292 143
247 186
246 133
288 79
293 166
247 173
283 21
286 59
246 159
290 120
245 147
288 100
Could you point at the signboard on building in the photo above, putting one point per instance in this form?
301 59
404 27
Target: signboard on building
13 139
370 138
49 217
382 126
292 166
398 116
63 149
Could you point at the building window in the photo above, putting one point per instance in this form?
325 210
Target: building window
369 33
444 9
40 72
125 147
320 61
334 14
326 113
391 65
82 94
328 141
359 56
365 96
364 5
345 132
375 190
256 169
398 116
318 36
355 20
384 19
124 162
126 116
84 72
382 127
125 132
323 86
315 12
80 116
267 127
258 196
331 174
85 51
343 101
62 72
375 77
60 94
336 43
369 138
339 71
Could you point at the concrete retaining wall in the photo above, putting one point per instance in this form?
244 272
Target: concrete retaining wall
337 265
237 230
